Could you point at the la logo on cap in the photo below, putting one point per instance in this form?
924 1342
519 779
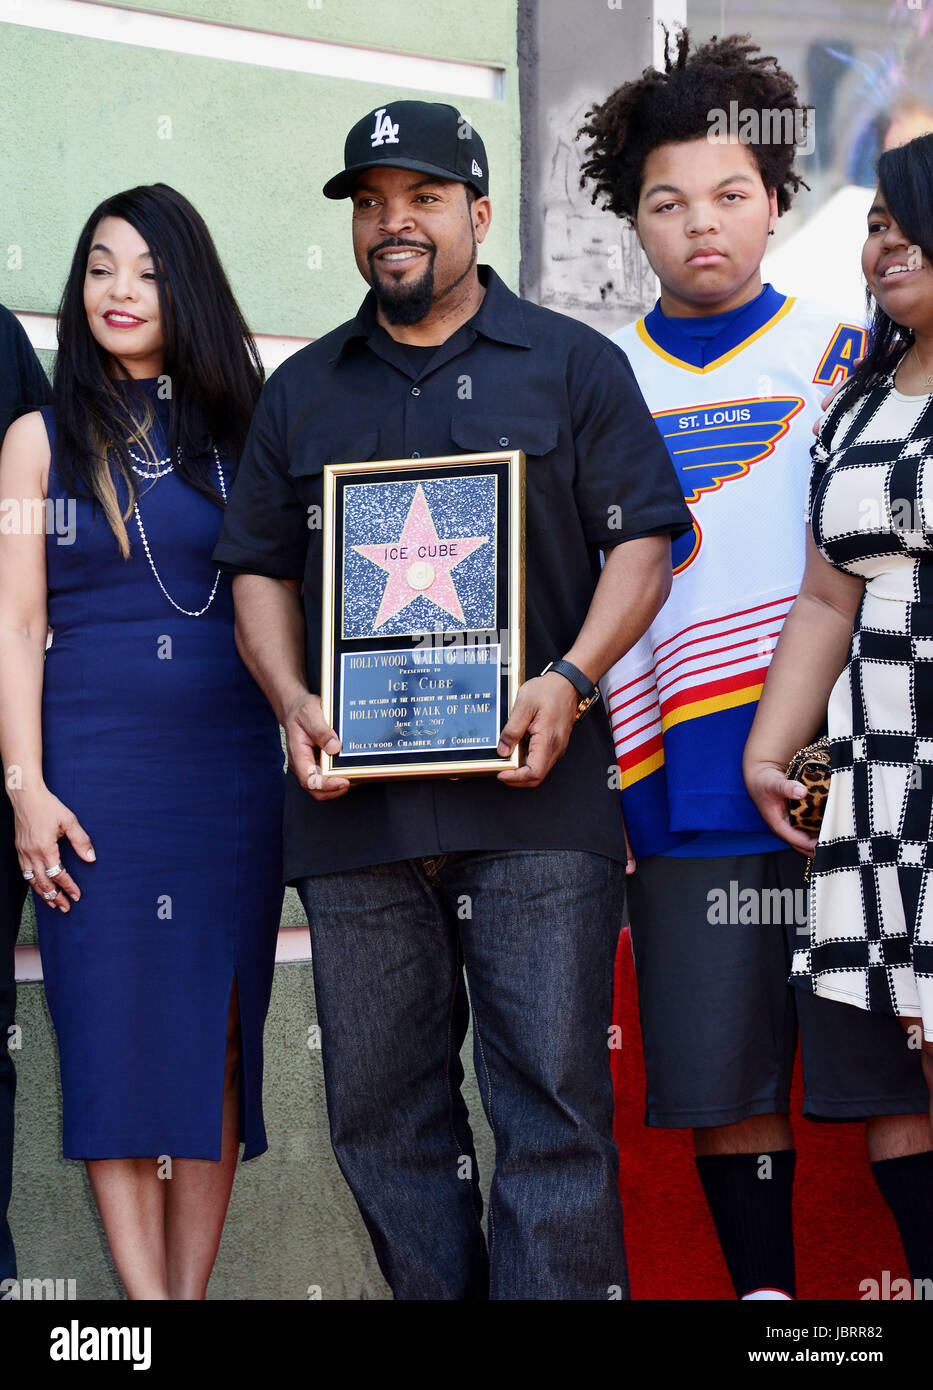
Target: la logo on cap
385 132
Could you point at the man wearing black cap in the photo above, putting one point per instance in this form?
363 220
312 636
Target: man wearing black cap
515 881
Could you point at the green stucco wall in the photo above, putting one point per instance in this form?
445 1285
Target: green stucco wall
250 147
473 33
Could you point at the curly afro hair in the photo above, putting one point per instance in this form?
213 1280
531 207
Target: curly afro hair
675 105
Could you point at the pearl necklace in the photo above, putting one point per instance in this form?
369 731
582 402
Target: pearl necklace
159 471
189 613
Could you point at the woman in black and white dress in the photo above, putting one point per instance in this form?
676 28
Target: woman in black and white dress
859 639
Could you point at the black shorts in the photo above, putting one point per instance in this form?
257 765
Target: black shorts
719 1021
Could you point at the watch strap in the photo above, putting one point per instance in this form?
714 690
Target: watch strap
587 691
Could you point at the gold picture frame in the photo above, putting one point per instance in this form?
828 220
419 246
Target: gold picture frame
420 635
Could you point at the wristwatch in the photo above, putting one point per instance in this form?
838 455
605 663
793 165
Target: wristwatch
588 692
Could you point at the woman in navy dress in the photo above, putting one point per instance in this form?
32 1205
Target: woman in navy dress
149 793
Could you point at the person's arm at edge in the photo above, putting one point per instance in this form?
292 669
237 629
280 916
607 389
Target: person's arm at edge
632 589
41 818
270 637
811 652
23 610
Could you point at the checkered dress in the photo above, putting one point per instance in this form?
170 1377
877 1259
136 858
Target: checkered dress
871 892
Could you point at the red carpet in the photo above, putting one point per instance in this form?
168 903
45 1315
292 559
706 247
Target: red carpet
844 1232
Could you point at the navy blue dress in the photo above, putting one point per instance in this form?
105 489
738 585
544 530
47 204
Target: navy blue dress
158 739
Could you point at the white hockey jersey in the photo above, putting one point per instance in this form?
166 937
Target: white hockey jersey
736 413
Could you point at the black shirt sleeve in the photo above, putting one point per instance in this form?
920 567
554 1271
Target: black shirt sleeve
265 526
23 384
626 485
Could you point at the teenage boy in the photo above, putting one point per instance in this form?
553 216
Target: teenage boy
734 373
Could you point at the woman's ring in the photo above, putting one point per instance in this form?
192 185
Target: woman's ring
55 869
28 875
52 894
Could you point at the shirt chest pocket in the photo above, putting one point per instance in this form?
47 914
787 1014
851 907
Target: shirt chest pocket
308 456
535 436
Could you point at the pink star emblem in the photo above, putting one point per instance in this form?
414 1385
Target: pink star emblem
419 562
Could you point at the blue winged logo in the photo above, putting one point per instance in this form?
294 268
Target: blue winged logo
714 444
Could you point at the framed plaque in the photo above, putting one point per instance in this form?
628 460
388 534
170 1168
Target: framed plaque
423 613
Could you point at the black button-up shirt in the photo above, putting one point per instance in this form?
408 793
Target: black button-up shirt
23 384
516 376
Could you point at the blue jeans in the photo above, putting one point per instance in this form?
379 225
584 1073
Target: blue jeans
536 933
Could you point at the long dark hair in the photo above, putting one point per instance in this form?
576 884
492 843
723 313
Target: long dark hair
211 366
905 178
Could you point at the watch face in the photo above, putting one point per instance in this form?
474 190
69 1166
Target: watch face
587 702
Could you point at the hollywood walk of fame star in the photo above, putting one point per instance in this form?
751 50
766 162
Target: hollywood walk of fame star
419 562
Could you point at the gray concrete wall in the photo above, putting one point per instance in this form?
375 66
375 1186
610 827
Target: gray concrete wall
575 258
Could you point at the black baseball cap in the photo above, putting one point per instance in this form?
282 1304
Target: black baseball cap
428 136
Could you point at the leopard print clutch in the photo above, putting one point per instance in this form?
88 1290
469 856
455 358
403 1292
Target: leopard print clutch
810 766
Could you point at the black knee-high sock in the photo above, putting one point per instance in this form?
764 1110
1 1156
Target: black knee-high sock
752 1214
906 1184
